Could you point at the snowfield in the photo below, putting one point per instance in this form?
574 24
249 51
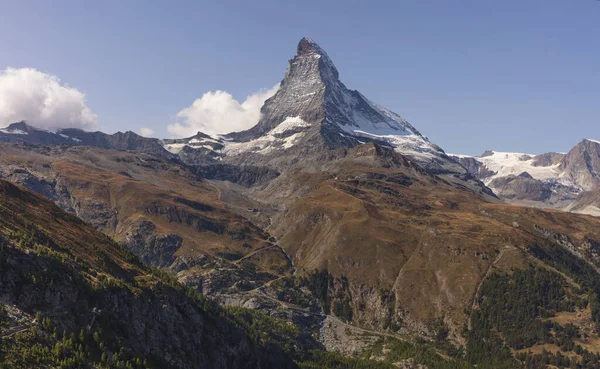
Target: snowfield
513 163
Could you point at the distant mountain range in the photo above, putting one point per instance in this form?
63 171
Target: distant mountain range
551 180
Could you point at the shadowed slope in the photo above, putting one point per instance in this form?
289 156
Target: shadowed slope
55 265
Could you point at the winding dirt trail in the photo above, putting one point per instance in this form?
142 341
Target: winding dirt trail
14 330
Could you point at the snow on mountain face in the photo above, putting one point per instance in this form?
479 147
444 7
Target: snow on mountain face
568 181
13 132
283 136
199 141
579 168
504 164
312 103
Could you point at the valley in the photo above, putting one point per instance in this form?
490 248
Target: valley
332 234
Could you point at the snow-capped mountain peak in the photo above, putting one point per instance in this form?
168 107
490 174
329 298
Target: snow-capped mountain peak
557 180
307 48
312 104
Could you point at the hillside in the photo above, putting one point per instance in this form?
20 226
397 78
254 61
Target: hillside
333 233
157 207
72 298
57 269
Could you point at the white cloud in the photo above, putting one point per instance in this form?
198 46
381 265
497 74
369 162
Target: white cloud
218 112
41 100
146 131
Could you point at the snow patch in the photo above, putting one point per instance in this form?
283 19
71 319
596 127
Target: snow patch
461 156
270 141
288 124
175 148
512 163
13 132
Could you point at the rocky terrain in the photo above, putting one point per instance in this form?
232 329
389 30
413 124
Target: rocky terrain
159 209
339 217
58 269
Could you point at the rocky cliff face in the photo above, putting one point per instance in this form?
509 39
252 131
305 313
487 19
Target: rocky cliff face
521 187
581 165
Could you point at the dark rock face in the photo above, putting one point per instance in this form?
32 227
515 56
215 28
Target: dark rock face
27 179
301 94
244 175
198 156
475 167
154 249
548 159
23 132
522 187
525 175
582 164
121 141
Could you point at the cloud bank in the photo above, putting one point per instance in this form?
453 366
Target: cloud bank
41 100
146 132
218 112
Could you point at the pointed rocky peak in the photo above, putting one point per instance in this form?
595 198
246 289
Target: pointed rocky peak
312 59
18 127
308 46
591 142
201 135
313 108
586 146
581 165
192 149
525 175
548 159
22 125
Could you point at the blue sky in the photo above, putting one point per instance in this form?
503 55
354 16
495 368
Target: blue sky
511 75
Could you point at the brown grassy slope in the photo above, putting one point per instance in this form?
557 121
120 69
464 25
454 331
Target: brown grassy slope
31 214
54 264
137 199
396 228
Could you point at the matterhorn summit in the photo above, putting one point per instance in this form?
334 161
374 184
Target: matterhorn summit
311 117
313 109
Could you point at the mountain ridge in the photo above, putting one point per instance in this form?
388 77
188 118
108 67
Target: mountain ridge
339 217
564 181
